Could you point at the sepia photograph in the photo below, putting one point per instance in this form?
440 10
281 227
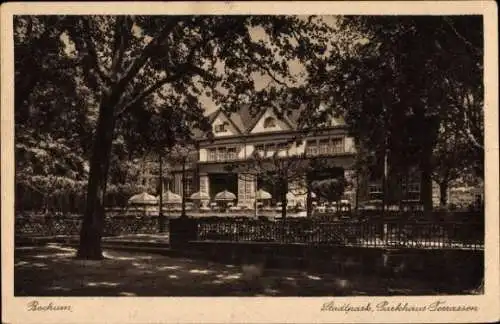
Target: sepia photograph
250 155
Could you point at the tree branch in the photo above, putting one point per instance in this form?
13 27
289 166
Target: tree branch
181 71
468 43
469 134
149 90
266 69
103 75
122 33
140 61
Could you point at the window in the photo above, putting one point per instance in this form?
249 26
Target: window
212 154
337 145
221 154
282 146
270 149
248 188
282 149
189 184
411 191
312 147
259 149
375 191
221 128
269 122
231 153
324 146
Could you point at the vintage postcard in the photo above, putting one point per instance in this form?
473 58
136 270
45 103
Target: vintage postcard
250 162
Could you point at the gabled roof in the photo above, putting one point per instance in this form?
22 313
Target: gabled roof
216 113
245 119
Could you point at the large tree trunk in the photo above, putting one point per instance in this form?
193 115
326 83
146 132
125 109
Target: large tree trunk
443 193
93 218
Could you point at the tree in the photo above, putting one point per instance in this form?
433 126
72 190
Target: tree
330 189
280 169
125 60
391 77
52 117
49 169
184 154
452 158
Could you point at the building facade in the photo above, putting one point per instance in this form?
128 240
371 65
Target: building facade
218 163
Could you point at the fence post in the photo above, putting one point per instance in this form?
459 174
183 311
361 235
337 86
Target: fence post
182 230
385 233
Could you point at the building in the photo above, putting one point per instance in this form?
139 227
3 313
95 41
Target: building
239 136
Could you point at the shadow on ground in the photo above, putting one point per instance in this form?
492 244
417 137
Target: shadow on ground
52 271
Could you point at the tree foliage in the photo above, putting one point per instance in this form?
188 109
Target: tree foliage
329 189
153 70
397 80
453 158
404 66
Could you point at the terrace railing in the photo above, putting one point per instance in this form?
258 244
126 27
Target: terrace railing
402 233
410 234
70 226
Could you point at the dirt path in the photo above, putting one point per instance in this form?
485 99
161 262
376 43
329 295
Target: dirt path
52 271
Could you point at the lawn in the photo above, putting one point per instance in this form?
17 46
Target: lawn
52 271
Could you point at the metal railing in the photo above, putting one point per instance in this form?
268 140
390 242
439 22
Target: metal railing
404 232
409 234
70 226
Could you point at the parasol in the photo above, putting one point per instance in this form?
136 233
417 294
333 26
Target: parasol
225 196
262 195
143 199
171 198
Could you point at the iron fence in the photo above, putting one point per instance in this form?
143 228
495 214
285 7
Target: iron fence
411 234
404 232
70 225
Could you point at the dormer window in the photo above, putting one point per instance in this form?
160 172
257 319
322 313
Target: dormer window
221 128
269 122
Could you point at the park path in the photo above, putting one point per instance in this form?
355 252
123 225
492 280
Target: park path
51 270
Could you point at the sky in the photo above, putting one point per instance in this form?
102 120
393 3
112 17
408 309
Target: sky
260 80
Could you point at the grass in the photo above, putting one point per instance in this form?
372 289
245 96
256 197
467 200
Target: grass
52 271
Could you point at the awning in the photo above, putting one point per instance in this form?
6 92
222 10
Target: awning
143 199
200 195
262 195
171 198
225 196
